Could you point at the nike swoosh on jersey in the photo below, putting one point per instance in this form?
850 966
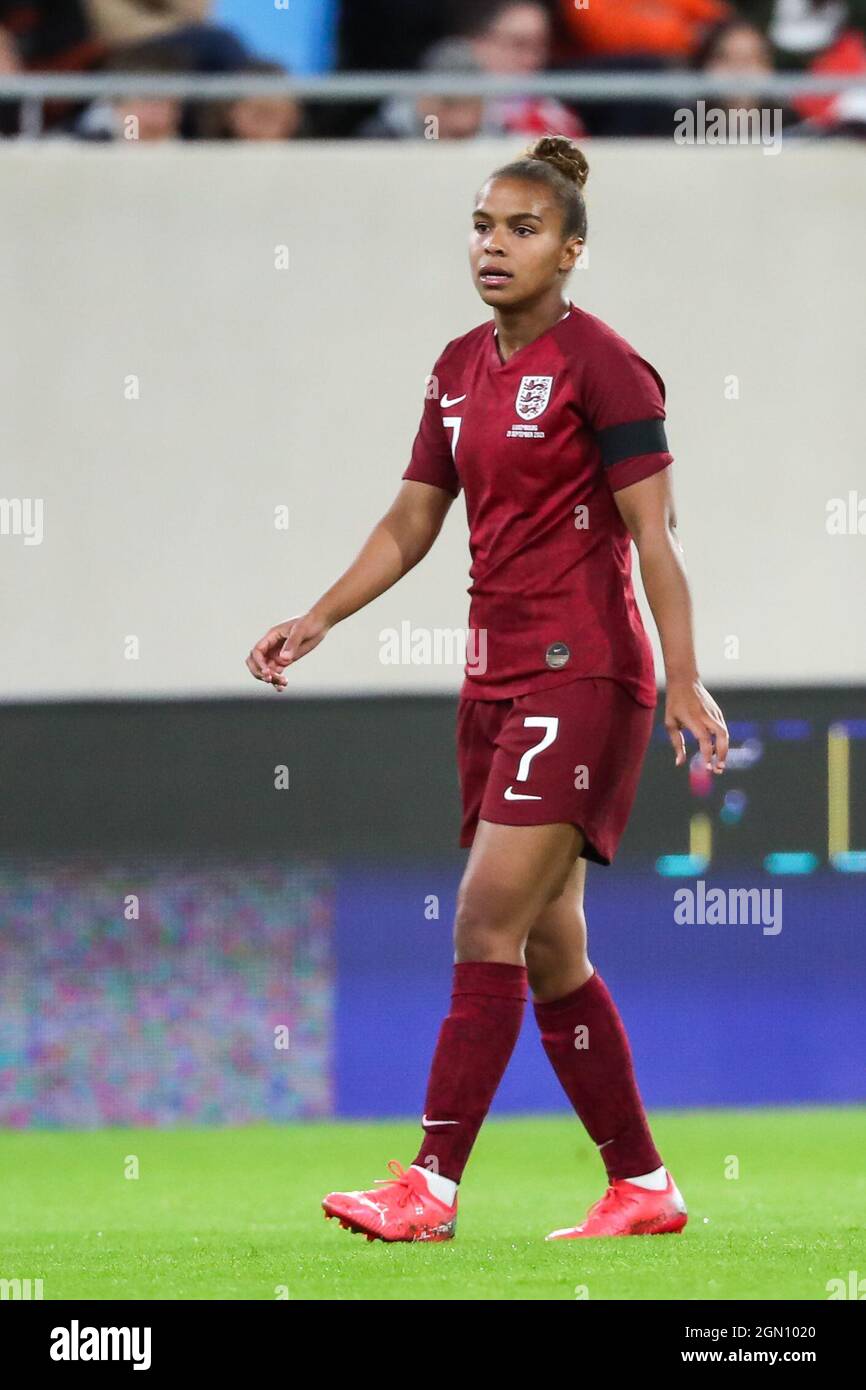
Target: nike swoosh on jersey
519 796
425 1123
446 401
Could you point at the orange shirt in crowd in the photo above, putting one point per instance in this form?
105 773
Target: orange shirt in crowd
666 28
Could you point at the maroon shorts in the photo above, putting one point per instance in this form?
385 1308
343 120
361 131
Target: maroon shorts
572 754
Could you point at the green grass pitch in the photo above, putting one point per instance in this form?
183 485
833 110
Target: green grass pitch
234 1214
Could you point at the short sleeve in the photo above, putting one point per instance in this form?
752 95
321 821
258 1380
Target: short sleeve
432 460
623 400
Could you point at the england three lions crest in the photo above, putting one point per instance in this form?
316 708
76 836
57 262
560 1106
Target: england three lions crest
533 396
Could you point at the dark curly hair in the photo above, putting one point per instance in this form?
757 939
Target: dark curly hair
556 161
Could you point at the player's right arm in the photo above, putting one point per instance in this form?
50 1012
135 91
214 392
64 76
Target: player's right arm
395 545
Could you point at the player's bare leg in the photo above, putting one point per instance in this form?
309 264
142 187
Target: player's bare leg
556 950
512 874
588 1048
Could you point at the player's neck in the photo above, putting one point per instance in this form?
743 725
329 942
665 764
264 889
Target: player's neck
517 327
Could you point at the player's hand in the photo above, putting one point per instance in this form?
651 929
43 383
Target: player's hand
284 644
690 706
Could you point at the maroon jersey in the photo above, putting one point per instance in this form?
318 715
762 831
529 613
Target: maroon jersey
539 444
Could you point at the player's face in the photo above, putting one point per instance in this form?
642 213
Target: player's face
516 248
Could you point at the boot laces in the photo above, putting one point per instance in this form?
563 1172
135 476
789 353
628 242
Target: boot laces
614 1196
412 1183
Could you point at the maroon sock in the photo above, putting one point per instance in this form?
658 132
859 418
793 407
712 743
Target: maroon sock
598 1076
475 1042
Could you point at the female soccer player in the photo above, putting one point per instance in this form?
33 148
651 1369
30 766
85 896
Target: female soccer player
553 426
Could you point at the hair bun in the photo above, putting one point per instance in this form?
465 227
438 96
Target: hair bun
562 154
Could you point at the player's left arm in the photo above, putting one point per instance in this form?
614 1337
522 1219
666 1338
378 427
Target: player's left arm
647 508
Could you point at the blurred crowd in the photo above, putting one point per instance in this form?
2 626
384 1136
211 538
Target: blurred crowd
511 37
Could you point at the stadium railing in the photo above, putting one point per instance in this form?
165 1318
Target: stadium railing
33 90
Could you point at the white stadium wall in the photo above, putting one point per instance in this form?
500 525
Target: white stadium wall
168 385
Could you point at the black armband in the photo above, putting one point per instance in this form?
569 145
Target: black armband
628 441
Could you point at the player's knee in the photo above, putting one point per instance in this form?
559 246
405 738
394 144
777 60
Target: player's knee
542 962
482 926
557 947
554 970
